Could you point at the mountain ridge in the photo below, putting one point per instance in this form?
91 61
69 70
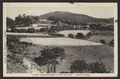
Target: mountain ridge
78 18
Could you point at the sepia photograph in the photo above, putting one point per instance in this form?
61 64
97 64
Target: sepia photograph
60 39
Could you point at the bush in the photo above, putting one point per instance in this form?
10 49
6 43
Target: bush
44 30
30 30
98 67
79 66
102 41
70 36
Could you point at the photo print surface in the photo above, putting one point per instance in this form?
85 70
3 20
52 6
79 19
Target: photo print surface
60 39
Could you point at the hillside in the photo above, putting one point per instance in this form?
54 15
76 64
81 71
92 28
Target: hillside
74 18
87 53
74 49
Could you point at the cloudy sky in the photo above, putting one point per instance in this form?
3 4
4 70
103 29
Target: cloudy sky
99 10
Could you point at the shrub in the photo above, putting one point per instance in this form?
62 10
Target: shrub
44 30
98 67
79 66
102 41
30 30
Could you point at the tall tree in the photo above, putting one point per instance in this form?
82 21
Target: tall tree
10 23
50 57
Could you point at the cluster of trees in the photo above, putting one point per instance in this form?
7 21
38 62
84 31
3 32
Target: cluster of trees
10 23
50 57
80 66
25 20
21 20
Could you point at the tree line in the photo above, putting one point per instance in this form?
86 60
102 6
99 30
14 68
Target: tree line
21 20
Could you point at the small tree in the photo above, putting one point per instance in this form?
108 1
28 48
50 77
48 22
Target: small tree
49 57
70 36
79 66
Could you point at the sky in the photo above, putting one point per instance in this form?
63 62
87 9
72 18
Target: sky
98 10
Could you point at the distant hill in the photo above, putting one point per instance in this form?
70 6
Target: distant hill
74 18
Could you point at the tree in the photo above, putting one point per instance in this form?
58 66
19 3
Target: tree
10 23
98 67
78 66
49 58
79 36
70 36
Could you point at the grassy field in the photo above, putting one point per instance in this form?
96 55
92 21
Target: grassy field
102 32
58 41
97 38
